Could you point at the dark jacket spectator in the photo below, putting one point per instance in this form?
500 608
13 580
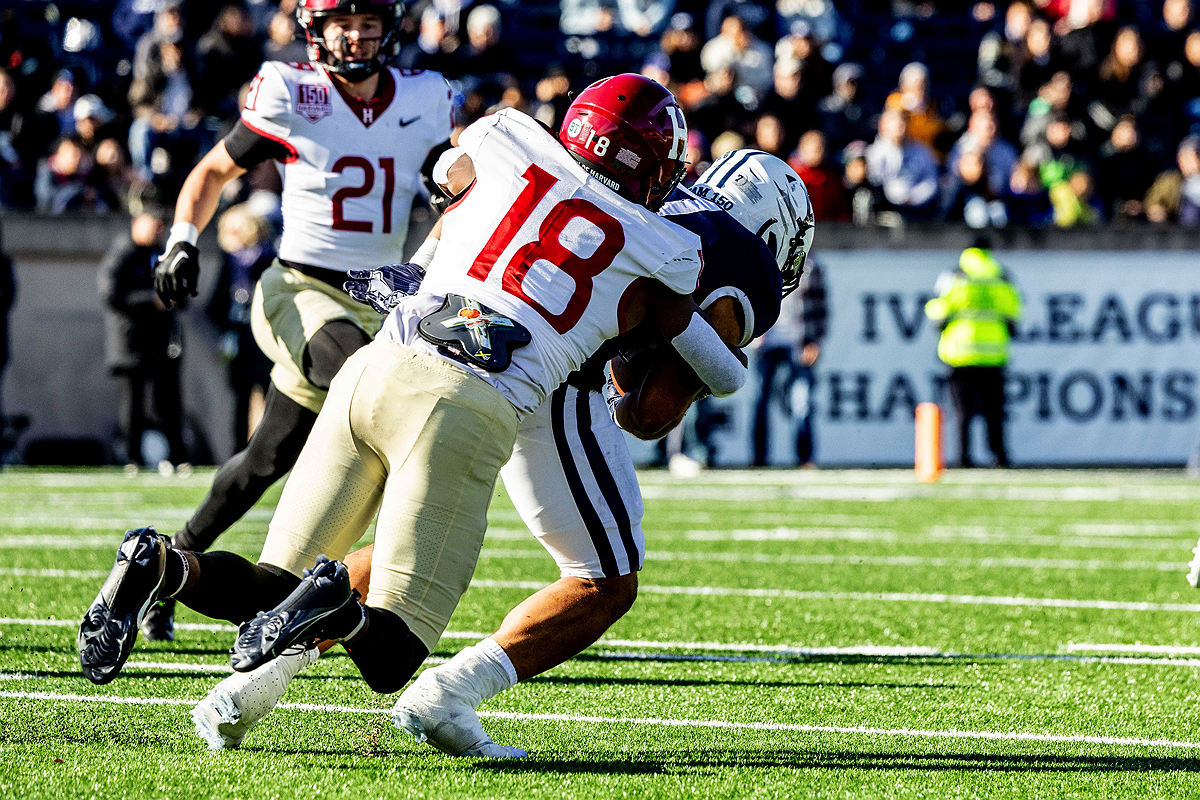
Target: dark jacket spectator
227 56
1175 194
999 50
1125 171
843 118
1027 200
969 196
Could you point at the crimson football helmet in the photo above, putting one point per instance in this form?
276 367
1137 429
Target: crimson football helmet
629 133
312 15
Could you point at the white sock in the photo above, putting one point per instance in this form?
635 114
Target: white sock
478 673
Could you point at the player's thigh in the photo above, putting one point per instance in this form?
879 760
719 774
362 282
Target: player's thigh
334 489
444 435
572 481
289 308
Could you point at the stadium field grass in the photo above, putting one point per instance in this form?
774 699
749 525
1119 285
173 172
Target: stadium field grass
798 634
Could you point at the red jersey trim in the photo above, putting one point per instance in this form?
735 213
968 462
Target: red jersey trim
293 155
461 197
377 104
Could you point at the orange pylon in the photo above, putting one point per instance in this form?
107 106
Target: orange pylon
929 442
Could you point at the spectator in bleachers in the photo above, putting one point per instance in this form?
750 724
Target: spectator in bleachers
1122 75
282 43
92 120
1125 171
1053 99
227 56
1059 151
1027 201
830 201
864 198
822 20
483 56
769 135
586 17
751 59
924 124
1084 30
553 97
168 27
16 185
758 16
681 44
786 102
113 175
968 195
1000 50
843 118
1073 199
162 105
903 168
63 181
726 142
643 18
56 108
816 75
981 136
697 157
1034 64
433 48
1167 39
1175 194
719 110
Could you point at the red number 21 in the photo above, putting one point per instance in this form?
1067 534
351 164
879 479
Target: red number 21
340 223
547 247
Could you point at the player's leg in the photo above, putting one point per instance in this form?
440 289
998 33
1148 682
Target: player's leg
572 480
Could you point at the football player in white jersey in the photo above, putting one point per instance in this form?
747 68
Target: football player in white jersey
553 250
351 138
571 477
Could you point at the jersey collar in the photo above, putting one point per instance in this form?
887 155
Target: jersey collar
368 111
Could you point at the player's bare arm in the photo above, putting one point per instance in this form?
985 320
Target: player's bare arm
663 394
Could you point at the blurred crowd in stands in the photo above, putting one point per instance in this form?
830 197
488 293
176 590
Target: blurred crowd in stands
1041 112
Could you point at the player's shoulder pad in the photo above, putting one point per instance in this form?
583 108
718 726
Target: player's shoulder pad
509 121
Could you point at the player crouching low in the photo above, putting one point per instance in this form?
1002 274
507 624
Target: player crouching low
755 222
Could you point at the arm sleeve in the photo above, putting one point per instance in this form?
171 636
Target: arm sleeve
268 110
249 148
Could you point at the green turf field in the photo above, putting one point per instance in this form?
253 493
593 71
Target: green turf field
798 634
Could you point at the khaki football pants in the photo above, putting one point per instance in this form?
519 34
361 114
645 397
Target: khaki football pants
422 442
288 308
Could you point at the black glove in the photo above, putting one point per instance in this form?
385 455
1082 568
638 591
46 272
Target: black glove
177 273
384 287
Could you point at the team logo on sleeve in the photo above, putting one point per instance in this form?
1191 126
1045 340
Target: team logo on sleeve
313 102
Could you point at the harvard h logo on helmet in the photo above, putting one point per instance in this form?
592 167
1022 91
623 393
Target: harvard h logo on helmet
312 15
768 198
629 133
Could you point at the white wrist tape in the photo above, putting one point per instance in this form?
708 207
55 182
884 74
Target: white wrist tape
713 362
424 255
181 232
442 167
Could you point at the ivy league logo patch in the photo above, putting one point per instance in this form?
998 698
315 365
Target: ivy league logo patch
313 101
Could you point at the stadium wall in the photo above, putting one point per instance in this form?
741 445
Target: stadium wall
1104 368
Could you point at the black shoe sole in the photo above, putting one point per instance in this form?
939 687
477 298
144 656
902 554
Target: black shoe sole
107 632
265 637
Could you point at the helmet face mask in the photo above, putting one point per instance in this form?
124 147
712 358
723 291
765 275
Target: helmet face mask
768 198
314 15
629 133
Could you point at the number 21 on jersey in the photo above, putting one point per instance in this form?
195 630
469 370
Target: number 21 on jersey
547 247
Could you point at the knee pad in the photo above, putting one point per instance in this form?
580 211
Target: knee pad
329 348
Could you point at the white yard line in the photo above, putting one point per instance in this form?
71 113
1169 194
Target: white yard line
936 533
1164 649
720 724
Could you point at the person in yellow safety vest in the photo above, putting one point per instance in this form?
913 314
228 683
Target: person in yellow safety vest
977 306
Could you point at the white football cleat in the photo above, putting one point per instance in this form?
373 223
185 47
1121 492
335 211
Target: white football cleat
1194 568
236 704
432 712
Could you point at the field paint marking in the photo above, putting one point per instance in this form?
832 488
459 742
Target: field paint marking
1165 649
860 730
794 655
887 597
937 533
744 493
71 623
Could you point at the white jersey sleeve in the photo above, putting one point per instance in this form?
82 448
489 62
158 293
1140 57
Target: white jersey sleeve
268 108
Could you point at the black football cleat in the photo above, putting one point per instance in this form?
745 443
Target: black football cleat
159 622
110 626
324 590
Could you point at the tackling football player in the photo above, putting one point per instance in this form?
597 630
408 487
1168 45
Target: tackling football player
351 137
551 252
571 477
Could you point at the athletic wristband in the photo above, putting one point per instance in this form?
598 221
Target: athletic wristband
424 255
181 232
706 353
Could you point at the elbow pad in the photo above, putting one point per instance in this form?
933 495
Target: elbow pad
707 354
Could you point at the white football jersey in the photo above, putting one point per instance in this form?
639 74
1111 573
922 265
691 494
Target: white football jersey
539 240
353 168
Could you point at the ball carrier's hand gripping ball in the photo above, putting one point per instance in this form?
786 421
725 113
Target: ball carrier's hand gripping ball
312 15
629 133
